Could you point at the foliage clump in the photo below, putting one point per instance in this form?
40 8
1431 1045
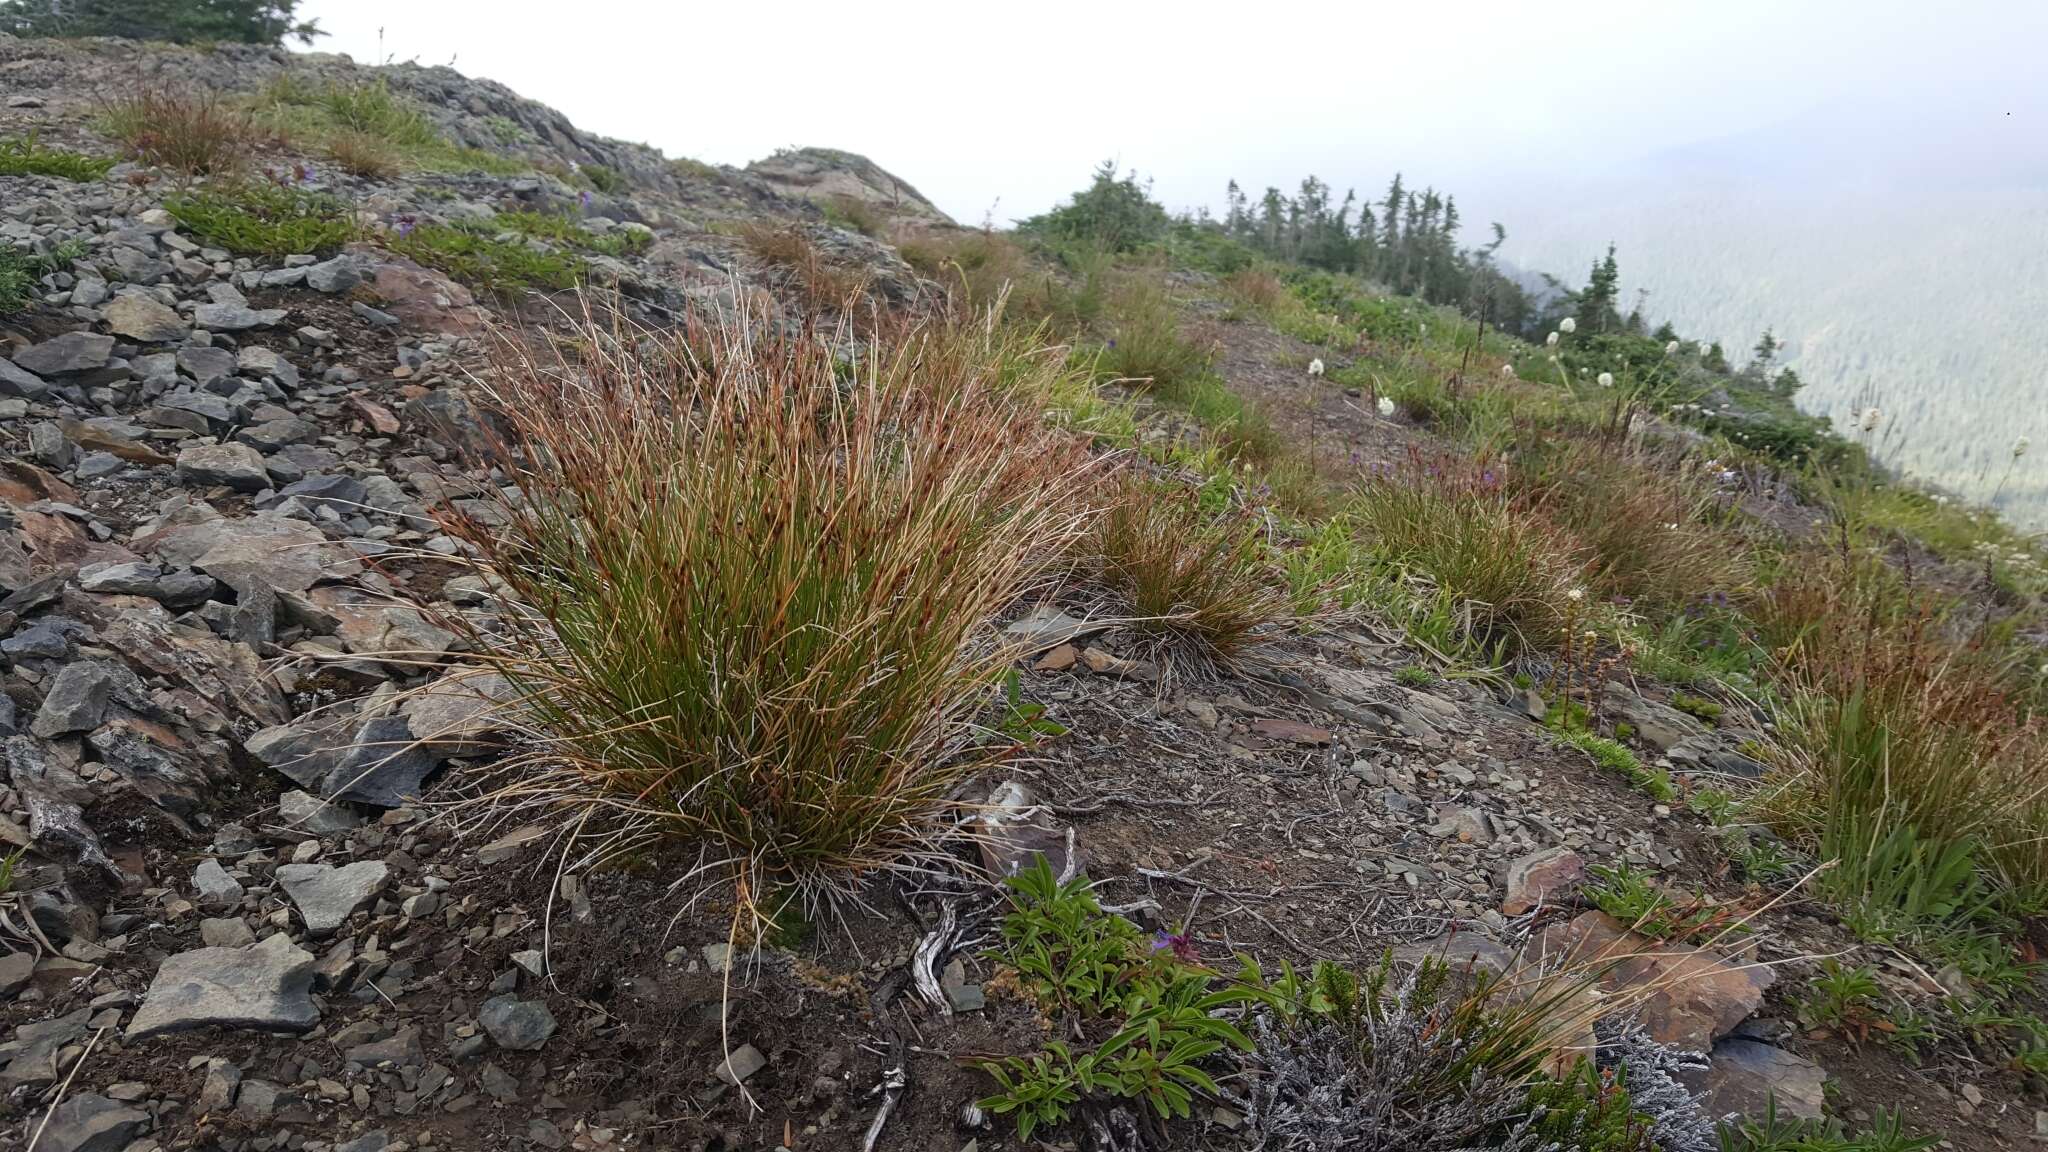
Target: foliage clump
264 218
180 21
23 156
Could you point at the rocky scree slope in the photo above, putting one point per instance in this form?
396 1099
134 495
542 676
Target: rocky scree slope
234 925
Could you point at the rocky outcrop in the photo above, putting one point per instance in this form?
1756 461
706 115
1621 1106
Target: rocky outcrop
827 176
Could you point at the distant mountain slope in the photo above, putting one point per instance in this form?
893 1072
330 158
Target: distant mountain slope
1904 262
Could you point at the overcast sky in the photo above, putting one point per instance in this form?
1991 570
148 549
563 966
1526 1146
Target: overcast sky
1005 108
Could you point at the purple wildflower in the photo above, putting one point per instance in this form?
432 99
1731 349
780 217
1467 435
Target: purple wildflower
1180 944
584 197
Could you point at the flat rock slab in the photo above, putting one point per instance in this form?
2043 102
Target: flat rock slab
383 767
142 318
89 1122
72 352
1540 878
1685 997
1744 1075
231 465
267 985
326 896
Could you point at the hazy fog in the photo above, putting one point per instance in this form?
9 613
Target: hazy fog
1871 179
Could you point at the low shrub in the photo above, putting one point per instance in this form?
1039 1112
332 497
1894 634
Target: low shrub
23 156
264 219
758 581
1193 579
485 261
361 154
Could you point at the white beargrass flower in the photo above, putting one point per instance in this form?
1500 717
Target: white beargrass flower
2019 447
1606 379
1575 595
1508 370
1315 367
1550 341
1567 325
1706 349
1870 418
1671 349
1387 407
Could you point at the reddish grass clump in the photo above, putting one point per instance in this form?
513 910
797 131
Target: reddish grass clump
1188 576
197 133
753 581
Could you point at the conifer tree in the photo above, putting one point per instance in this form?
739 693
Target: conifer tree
182 21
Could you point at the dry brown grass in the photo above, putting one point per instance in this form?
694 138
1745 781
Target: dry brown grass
1255 290
1198 581
196 133
361 154
822 286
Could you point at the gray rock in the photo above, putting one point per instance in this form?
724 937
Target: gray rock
15 970
225 932
272 435
217 1091
305 755
215 887
372 1141
326 895
384 767
140 317
345 494
16 381
98 465
89 1122
77 701
69 354
515 1024
206 364
235 466
1658 725
50 447
308 813
337 275
266 986
236 317
744 1062
1744 1074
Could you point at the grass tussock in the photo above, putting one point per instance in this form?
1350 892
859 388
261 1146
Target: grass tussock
759 580
193 132
1197 580
822 286
361 154
1452 522
1645 524
1145 345
1896 721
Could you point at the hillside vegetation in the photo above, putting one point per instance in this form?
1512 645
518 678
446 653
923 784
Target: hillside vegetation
514 640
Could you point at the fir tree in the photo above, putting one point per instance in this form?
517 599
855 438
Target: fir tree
182 21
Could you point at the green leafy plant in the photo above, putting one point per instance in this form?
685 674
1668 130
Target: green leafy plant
23 156
1842 999
1589 1108
486 261
265 219
1629 895
19 271
1167 1013
1414 676
1655 783
1024 721
604 179
1698 706
1773 1133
